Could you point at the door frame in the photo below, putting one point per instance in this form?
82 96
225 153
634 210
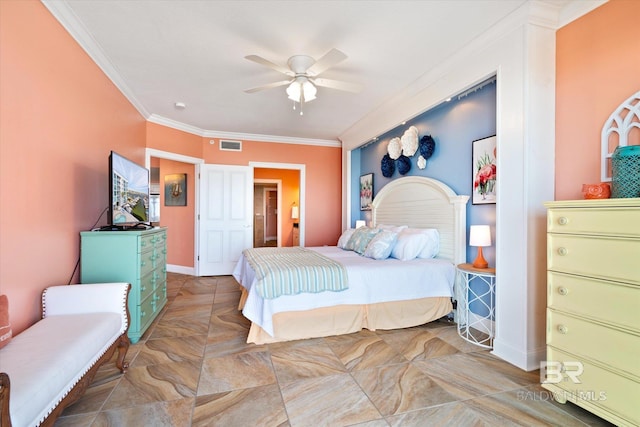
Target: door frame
278 184
292 166
152 152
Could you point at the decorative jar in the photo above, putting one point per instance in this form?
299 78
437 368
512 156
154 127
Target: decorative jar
625 172
596 191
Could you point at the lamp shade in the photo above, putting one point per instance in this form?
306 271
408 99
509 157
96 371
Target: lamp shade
480 235
295 212
360 223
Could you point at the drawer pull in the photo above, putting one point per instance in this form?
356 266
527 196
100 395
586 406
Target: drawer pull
143 314
563 220
143 243
562 251
562 290
143 288
563 329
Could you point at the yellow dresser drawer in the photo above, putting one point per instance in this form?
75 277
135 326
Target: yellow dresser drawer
600 221
610 396
614 348
584 296
601 257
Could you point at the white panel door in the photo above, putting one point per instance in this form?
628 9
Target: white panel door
226 214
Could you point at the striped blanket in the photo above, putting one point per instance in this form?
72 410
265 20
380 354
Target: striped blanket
294 270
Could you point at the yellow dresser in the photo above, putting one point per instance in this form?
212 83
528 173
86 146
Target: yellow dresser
593 306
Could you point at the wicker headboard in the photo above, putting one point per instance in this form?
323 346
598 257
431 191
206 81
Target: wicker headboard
425 203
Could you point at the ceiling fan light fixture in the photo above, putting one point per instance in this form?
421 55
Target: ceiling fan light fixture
301 90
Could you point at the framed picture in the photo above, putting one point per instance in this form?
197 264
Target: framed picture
366 191
175 189
484 172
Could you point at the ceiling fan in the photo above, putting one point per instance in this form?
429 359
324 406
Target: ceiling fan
303 73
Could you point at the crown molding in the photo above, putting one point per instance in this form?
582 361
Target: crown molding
154 118
429 90
577 9
68 19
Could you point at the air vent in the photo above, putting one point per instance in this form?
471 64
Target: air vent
227 145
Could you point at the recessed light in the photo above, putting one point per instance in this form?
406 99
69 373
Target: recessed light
180 105
448 99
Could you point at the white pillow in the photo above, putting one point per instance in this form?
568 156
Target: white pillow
408 245
344 238
396 228
432 246
381 245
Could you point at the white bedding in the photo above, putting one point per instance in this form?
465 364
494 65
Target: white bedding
370 281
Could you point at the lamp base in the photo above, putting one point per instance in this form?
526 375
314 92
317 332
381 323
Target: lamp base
480 262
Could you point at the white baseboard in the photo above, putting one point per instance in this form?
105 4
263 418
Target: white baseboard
529 361
180 269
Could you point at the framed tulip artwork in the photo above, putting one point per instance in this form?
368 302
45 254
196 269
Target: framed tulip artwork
484 174
366 191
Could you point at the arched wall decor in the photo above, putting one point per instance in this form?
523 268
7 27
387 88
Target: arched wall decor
616 131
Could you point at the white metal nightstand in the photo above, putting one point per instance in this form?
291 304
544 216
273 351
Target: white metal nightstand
476 287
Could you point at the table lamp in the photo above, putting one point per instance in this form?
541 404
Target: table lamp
480 235
360 223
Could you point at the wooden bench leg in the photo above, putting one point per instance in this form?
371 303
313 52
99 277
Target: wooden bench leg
123 347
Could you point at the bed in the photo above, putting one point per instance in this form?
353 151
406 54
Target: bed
381 294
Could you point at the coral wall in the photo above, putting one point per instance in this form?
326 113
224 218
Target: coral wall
597 68
179 220
323 168
60 117
323 192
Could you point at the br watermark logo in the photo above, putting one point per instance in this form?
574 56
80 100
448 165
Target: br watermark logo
553 372
568 372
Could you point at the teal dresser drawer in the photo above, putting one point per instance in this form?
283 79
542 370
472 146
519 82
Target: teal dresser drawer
147 285
137 257
147 243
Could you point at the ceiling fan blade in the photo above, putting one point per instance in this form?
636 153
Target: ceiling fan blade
330 59
268 86
339 85
260 60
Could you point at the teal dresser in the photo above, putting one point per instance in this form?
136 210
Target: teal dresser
136 257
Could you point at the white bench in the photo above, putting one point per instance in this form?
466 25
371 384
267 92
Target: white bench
48 366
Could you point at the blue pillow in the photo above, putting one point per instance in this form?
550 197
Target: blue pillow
381 245
360 239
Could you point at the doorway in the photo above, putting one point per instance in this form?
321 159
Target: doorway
267 201
290 179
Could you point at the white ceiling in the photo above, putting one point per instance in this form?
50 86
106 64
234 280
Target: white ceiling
192 51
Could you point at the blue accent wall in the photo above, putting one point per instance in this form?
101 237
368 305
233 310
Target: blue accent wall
454 125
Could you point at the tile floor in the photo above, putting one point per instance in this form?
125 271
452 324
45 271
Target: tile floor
193 368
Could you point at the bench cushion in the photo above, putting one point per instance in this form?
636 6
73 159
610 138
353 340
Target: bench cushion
46 360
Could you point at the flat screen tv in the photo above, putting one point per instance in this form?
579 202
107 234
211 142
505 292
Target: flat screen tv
128 193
